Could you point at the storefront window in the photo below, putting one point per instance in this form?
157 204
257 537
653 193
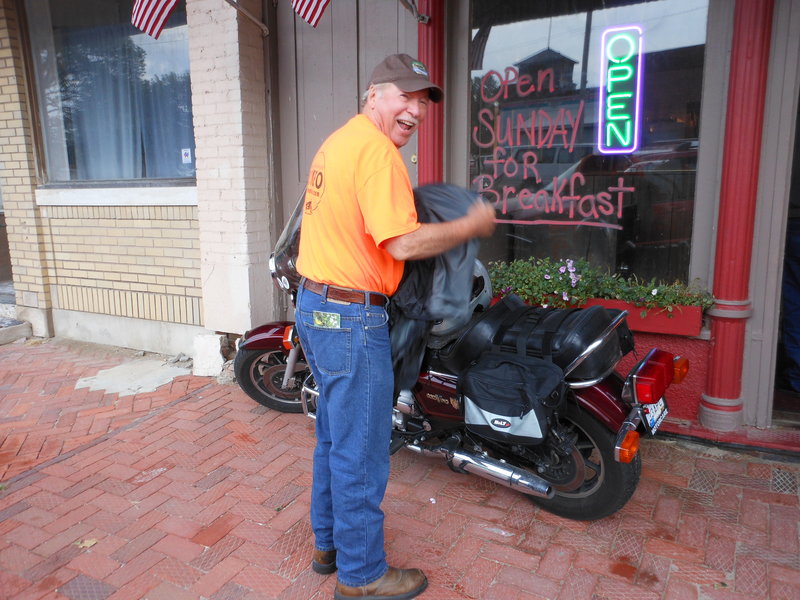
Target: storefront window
114 103
584 129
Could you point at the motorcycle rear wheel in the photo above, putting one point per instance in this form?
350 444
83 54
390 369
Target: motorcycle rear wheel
260 374
607 485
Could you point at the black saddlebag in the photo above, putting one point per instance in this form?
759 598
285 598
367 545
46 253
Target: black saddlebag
559 335
510 397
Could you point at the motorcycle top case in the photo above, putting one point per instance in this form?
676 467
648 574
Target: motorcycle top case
509 397
557 334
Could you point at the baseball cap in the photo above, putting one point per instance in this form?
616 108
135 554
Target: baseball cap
409 74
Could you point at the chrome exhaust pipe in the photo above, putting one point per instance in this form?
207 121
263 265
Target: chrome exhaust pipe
515 478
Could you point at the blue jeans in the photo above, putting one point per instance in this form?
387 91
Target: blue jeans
352 364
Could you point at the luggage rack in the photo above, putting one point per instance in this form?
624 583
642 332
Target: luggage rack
599 341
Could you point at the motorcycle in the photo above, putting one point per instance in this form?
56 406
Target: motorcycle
585 465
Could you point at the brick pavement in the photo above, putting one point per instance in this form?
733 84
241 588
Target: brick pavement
194 491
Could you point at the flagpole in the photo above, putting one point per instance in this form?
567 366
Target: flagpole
251 16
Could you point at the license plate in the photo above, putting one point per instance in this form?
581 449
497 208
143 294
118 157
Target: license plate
654 415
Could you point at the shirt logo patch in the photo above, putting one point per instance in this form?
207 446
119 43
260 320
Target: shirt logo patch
315 187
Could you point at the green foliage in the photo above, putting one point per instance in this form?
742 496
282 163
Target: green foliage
567 282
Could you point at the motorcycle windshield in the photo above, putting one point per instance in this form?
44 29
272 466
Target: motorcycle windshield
284 257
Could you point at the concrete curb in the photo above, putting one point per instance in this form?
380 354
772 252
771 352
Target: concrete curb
12 330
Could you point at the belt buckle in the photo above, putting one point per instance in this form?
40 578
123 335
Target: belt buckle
368 299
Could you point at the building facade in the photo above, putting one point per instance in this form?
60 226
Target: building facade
144 181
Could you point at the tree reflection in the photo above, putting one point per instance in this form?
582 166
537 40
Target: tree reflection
118 122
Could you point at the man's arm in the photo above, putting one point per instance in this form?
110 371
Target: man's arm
434 238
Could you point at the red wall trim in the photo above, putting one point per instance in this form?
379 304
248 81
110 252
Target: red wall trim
752 29
430 50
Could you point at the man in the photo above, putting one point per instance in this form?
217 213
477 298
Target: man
359 226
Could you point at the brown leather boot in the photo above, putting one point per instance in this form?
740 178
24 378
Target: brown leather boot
323 561
396 584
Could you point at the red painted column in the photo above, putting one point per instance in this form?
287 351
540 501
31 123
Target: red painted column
430 50
721 404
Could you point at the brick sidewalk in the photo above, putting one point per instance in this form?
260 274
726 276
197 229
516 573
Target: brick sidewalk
195 491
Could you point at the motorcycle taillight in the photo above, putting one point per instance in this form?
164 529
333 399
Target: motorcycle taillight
655 375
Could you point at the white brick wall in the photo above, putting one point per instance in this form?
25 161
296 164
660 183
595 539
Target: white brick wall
227 70
28 248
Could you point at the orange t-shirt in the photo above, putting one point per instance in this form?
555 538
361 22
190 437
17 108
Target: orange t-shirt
358 196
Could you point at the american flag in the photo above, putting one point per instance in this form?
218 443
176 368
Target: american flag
310 10
151 15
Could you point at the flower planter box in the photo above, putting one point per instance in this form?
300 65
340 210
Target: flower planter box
567 278
683 320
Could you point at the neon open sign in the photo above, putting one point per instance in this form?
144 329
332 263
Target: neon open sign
620 90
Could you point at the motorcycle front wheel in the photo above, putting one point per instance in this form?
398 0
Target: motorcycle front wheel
589 484
260 374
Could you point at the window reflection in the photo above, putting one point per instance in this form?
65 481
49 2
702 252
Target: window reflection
115 104
535 77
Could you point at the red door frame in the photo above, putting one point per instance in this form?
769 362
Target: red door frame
722 404
430 50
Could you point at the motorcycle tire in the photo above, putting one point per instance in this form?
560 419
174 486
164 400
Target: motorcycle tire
607 484
260 374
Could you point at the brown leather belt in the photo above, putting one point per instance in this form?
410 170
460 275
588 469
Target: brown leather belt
346 295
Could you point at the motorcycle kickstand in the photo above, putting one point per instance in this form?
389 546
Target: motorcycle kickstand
397 442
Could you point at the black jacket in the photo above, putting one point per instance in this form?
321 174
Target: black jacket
432 289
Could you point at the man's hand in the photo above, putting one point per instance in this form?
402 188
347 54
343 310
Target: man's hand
481 216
